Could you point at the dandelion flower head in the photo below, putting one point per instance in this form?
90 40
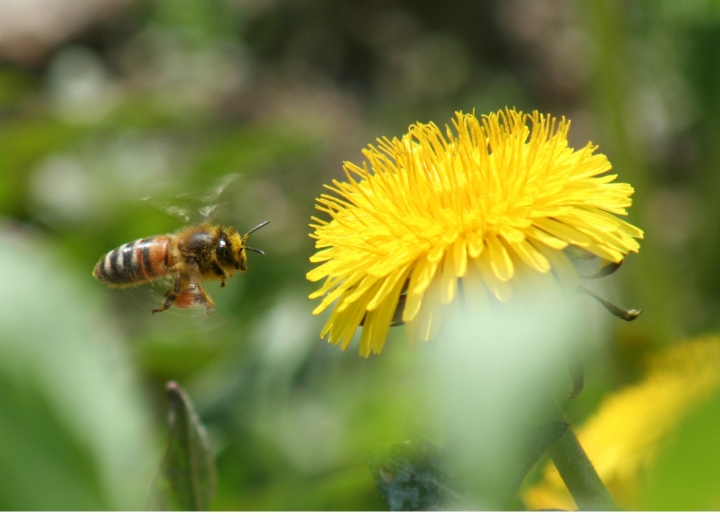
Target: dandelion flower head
483 208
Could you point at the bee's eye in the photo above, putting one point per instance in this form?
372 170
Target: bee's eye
224 252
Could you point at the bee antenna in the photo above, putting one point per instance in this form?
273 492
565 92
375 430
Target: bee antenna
256 228
252 249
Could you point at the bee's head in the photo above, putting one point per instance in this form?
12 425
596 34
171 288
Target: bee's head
231 248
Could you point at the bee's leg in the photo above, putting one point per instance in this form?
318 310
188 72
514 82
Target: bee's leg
170 296
209 304
220 272
203 298
192 288
194 295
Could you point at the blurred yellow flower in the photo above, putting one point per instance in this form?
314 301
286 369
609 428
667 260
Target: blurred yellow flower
621 439
492 204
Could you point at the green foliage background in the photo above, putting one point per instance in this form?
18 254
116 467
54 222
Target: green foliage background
167 97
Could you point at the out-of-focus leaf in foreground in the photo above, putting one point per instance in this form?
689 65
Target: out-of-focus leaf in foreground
75 432
488 387
186 479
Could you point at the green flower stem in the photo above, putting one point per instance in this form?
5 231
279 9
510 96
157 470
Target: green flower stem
579 475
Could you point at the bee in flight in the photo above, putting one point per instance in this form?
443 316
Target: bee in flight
193 254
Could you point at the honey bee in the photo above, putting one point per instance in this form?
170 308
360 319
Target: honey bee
192 254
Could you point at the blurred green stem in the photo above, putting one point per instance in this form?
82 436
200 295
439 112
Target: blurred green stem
650 277
578 473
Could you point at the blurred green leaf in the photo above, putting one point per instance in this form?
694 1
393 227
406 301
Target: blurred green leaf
186 480
74 433
43 465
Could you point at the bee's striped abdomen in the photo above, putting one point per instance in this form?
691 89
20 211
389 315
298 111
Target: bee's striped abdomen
140 261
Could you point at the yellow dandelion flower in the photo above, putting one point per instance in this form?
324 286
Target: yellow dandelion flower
622 438
492 204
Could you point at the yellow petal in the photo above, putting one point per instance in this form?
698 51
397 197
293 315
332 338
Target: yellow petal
460 258
377 321
530 256
498 288
448 280
562 267
498 258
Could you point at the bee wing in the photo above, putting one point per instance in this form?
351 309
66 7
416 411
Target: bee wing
193 205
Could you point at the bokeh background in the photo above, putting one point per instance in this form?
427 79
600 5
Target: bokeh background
114 113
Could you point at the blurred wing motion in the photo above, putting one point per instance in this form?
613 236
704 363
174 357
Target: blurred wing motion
194 206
